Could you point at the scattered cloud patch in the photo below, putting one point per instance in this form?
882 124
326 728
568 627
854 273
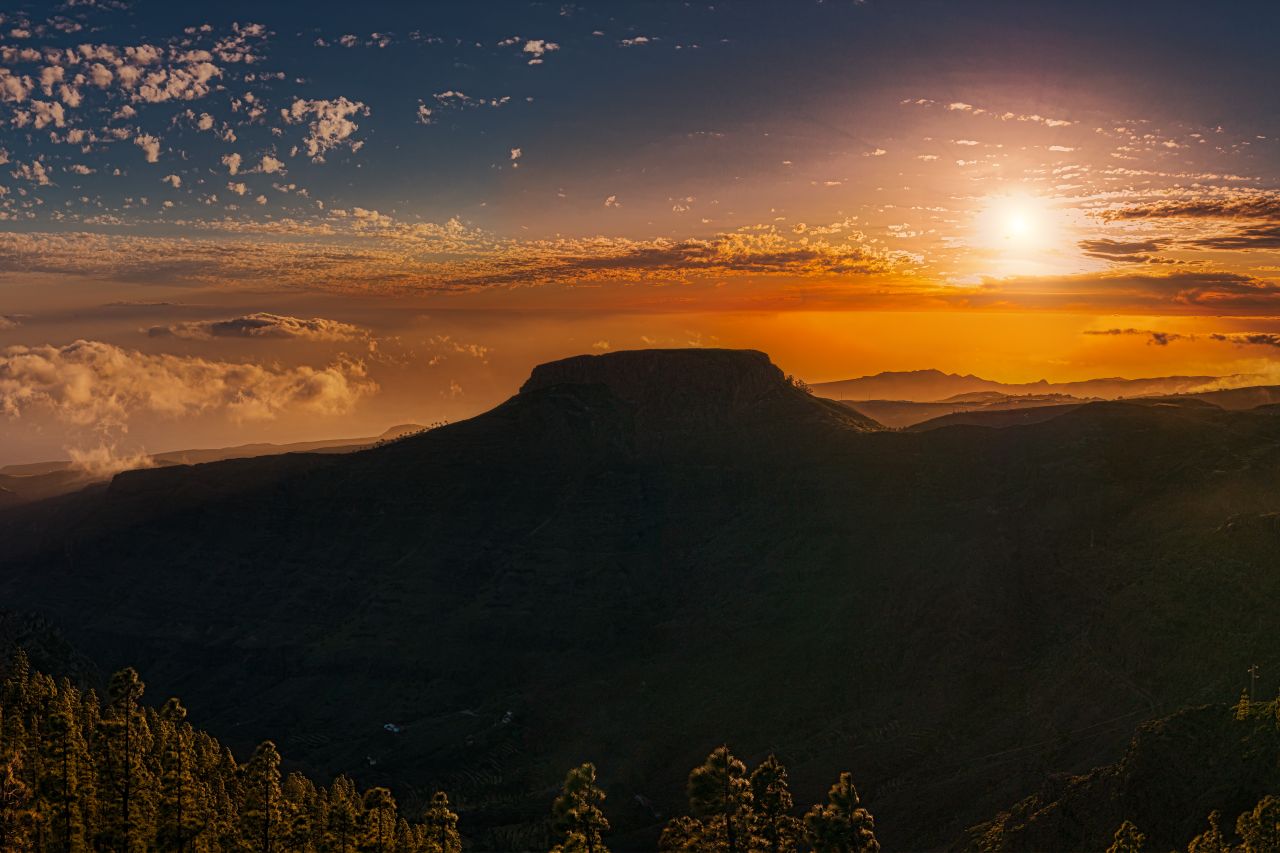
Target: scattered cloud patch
263 325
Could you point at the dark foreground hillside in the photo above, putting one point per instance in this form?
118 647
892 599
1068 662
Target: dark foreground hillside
1177 772
644 555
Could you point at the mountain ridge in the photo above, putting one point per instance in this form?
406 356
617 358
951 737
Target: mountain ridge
932 385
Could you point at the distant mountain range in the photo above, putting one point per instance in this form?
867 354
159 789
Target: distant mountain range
39 480
928 386
910 400
641 556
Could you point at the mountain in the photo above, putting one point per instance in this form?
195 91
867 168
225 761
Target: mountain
993 408
641 556
39 480
927 386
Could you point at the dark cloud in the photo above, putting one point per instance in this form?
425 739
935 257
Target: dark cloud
1160 339
1106 248
1260 237
1132 251
1252 206
1263 210
1249 338
760 254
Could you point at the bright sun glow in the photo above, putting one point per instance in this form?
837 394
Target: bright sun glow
1019 225
1021 234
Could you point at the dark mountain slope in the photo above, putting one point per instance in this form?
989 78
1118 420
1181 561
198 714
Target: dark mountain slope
570 578
1175 772
996 418
39 480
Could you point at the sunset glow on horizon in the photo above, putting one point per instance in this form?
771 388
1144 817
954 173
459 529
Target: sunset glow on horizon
236 228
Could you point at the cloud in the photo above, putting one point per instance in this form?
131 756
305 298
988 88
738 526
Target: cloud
33 172
232 162
1006 115
1260 237
329 124
150 146
1160 339
91 383
1183 291
758 253
1248 205
263 325
1249 338
104 461
1108 248
367 251
1131 251
10 321
537 48
1259 210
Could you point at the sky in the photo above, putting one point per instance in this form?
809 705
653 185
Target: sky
234 222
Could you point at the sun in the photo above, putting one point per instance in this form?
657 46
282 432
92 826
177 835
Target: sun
1019 226
1016 221
1020 233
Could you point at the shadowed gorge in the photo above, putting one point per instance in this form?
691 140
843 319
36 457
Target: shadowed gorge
952 614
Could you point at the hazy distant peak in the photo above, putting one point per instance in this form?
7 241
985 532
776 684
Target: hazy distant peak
928 386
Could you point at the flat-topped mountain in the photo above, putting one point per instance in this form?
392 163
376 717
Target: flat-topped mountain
679 390
585 573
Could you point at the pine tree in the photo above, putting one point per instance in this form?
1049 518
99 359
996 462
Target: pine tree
771 806
720 799
576 813
178 818
260 814
63 784
683 835
124 739
296 815
441 826
1211 840
16 817
842 825
344 815
1128 839
1243 705
1259 830
379 830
